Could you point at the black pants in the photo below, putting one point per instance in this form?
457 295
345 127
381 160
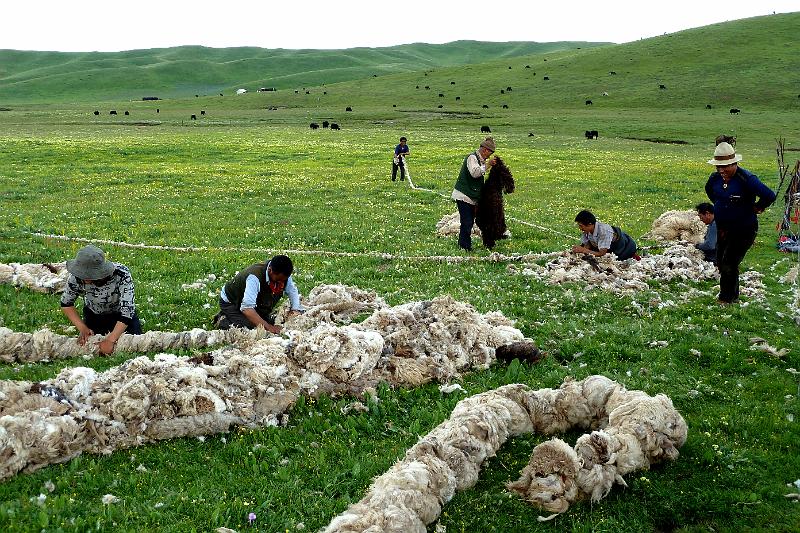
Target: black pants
104 324
231 316
467 214
402 167
732 245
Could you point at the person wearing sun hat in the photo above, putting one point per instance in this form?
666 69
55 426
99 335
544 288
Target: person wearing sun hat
467 191
738 196
108 300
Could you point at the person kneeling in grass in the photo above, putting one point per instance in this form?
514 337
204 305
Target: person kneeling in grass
600 238
108 302
251 298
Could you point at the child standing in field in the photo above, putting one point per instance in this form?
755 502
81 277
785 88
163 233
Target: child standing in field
399 160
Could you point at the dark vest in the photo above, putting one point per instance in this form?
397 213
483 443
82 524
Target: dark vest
467 184
265 301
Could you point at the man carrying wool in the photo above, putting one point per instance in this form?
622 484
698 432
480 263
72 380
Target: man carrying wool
251 298
467 190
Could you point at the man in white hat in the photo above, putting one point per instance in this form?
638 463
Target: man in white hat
467 190
108 303
733 191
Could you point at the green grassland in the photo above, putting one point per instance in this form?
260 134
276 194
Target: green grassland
245 180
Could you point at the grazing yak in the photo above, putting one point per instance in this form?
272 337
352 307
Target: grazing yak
335 126
491 218
735 111
313 126
486 129
591 134
588 102
325 123
348 108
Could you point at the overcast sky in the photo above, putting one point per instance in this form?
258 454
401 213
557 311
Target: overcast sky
114 25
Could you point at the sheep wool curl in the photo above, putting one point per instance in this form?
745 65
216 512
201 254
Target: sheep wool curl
331 304
678 226
252 384
679 262
44 345
39 277
450 225
638 430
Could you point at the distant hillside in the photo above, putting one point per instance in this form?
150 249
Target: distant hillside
750 63
185 71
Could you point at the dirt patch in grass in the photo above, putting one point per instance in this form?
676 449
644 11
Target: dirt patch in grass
657 140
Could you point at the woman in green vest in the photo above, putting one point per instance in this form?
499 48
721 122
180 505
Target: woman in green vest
467 190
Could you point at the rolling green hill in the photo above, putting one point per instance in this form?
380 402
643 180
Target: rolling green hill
189 70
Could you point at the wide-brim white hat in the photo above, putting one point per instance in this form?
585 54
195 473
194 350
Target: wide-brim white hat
724 154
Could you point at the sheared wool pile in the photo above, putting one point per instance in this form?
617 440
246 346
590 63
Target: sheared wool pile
638 430
450 225
326 303
678 226
331 304
143 400
677 262
44 345
199 284
39 277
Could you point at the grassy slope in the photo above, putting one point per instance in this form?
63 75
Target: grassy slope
742 448
189 70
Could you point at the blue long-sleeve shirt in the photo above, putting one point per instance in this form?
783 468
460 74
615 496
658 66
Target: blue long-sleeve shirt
709 244
735 202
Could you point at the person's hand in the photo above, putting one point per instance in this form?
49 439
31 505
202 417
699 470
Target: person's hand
758 210
84 335
273 329
580 249
106 346
491 162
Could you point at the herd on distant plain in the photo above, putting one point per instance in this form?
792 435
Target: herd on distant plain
589 134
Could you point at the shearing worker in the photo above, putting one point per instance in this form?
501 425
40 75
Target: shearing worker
733 191
108 298
401 151
251 298
467 190
599 238
705 212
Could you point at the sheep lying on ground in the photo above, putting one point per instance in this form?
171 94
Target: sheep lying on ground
143 400
39 277
326 303
44 345
450 225
678 226
678 261
638 430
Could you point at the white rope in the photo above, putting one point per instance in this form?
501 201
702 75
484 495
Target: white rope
531 224
491 258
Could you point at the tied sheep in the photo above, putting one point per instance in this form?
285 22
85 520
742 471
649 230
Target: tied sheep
38 277
639 430
678 225
252 383
491 217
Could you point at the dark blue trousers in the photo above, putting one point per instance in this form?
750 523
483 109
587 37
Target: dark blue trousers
467 213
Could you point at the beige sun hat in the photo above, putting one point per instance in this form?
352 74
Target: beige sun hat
90 263
724 154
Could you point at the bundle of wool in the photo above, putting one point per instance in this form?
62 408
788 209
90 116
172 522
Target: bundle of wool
44 345
253 383
39 277
450 225
338 304
676 262
639 430
678 226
